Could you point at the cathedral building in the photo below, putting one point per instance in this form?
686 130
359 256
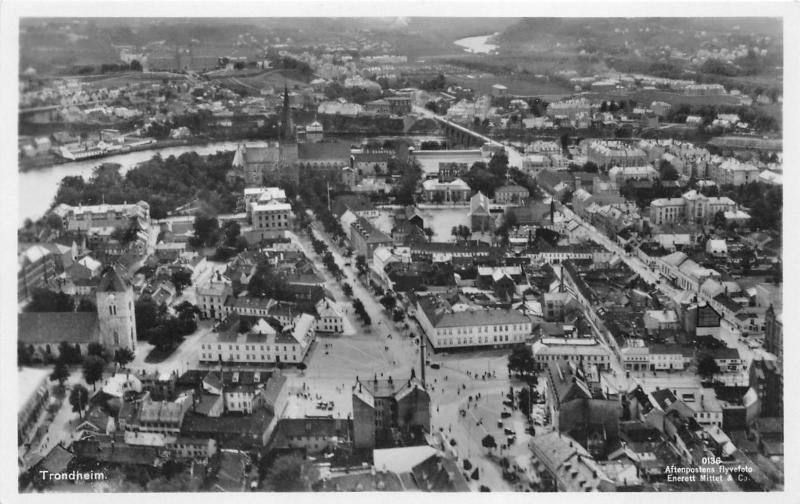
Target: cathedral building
288 160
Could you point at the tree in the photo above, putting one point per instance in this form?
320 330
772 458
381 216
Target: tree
136 66
181 278
68 353
719 220
206 230
461 232
590 167
388 301
510 219
361 265
146 310
398 316
428 233
521 361
347 289
124 356
498 165
93 367
564 142
286 474
525 402
231 232
78 399
667 171
97 350
488 442
706 366
60 372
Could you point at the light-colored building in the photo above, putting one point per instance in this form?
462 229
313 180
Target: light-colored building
261 344
34 396
615 153
586 350
271 216
329 317
456 191
511 194
366 238
211 297
85 218
656 357
687 274
448 326
732 172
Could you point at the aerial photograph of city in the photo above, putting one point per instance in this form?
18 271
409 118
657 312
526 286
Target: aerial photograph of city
399 254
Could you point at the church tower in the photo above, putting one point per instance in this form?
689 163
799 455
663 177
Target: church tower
287 127
115 311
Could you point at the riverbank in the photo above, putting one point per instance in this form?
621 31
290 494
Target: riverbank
51 160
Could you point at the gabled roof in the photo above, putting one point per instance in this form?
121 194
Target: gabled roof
111 281
55 327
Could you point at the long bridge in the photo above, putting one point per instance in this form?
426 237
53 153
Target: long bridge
457 134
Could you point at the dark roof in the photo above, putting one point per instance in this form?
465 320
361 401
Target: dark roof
367 157
111 281
57 460
325 427
726 301
726 353
324 151
353 202
370 233
101 449
439 474
55 327
237 430
664 398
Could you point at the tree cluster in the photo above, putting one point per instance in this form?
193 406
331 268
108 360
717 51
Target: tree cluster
521 361
359 309
485 178
156 325
163 183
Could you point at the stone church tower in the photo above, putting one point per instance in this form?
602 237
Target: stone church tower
115 311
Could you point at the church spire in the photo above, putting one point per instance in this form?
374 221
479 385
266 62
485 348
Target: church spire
287 128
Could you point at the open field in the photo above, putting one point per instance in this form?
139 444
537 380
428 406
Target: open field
275 79
649 96
482 83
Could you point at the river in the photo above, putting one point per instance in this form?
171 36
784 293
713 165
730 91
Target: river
477 45
38 187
